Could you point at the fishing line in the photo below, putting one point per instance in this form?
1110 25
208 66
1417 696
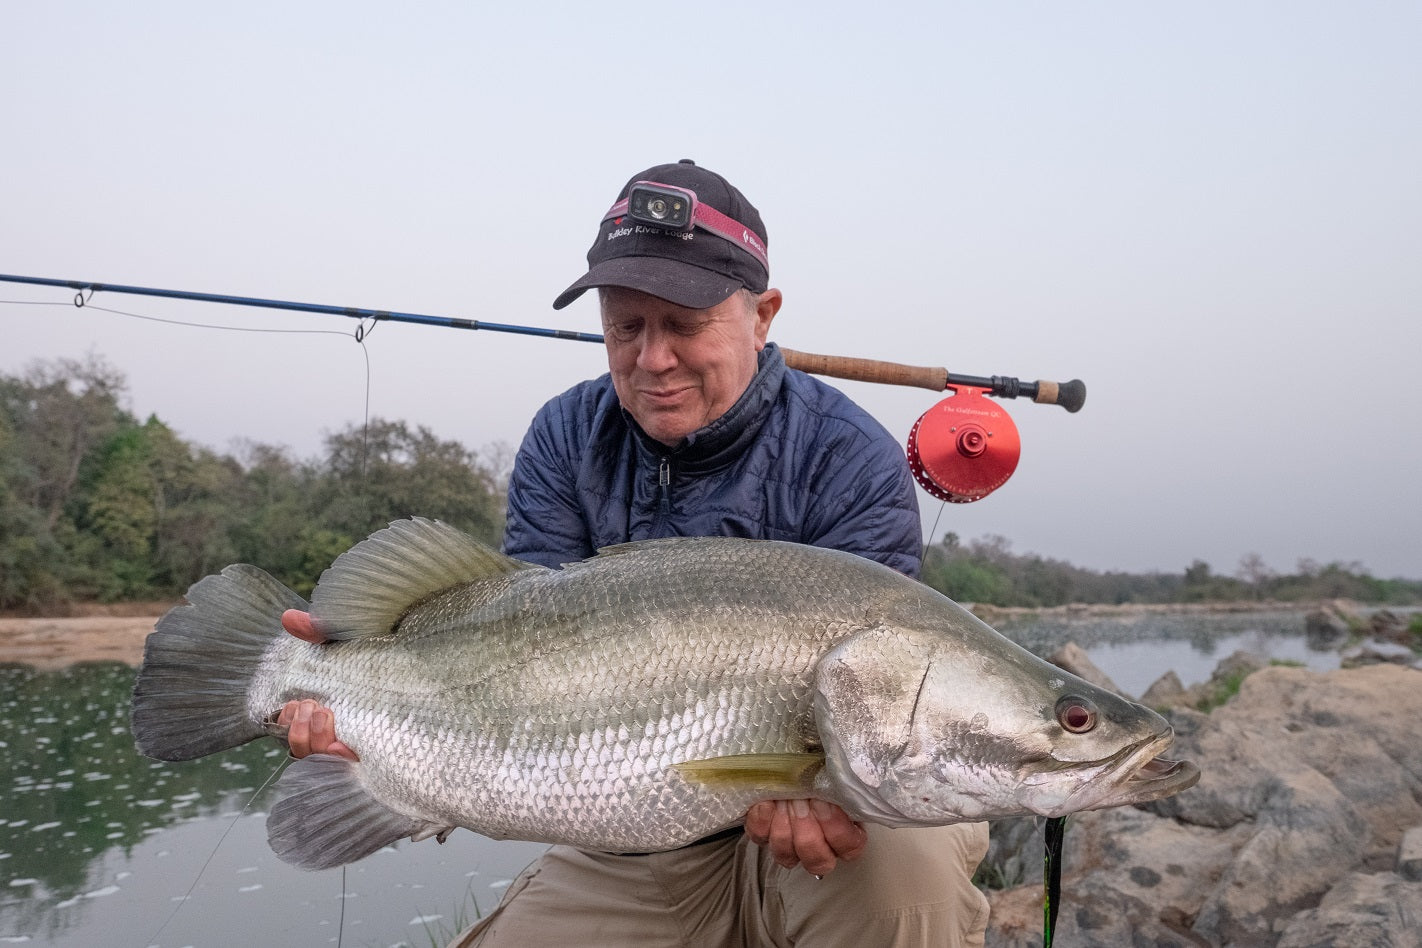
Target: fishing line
212 855
928 540
362 332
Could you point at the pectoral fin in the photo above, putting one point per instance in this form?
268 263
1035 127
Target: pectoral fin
792 774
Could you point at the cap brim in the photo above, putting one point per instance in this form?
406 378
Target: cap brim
684 284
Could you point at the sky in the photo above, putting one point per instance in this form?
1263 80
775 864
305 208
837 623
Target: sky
1210 213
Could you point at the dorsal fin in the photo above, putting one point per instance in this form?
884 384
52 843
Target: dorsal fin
371 585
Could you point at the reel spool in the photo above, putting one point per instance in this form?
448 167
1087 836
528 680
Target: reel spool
965 447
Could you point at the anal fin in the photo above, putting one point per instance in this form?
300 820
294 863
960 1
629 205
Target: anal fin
324 817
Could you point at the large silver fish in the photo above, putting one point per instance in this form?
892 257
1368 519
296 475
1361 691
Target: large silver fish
636 701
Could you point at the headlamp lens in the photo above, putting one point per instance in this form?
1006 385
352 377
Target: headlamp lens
668 207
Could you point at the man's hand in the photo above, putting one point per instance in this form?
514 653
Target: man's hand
311 727
809 833
312 730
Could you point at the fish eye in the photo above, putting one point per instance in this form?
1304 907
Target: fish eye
1077 715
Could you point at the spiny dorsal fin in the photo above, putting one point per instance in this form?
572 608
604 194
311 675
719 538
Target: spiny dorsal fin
371 585
773 773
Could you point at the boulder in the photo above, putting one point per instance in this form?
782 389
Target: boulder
1304 830
1388 626
1224 681
1073 658
1165 692
1331 624
1373 651
1362 909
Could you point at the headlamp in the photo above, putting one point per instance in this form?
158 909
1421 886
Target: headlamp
677 211
662 205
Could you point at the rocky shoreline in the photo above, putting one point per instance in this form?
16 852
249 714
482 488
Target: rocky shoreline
1305 829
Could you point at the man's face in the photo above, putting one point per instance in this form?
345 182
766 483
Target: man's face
677 369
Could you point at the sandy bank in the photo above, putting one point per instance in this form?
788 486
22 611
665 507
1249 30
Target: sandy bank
53 643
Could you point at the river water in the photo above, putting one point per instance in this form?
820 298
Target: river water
99 846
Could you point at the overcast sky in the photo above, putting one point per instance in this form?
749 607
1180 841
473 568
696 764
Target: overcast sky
1209 212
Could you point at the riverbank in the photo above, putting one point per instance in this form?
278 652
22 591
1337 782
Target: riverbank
115 632
52 643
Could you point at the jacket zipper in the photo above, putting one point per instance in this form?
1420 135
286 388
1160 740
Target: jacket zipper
664 489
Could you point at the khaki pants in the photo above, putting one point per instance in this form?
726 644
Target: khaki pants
911 887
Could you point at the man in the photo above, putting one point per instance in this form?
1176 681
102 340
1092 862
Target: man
700 429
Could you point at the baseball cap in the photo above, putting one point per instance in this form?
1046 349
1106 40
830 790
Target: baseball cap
697 268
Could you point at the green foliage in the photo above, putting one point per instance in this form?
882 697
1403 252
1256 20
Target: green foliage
97 506
1223 690
986 571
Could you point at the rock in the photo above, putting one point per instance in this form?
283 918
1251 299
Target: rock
1372 651
1073 658
1388 627
1362 909
1409 855
1330 624
1166 692
1224 682
1309 835
1305 826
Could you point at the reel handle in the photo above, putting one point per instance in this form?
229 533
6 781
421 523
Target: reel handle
1070 395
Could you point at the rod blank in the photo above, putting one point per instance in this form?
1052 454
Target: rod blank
1070 395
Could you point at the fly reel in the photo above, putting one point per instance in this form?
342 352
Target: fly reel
965 447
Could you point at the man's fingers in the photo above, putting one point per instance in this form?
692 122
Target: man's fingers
809 833
782 836
811 848
287 713
844 836
341 750
299 624
311 729
758 820
298 735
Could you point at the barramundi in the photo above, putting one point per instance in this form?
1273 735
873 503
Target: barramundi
636 701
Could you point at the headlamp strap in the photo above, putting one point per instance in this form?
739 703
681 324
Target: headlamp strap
708 218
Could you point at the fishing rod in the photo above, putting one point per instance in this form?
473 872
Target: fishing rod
961 450
353 312
1070 395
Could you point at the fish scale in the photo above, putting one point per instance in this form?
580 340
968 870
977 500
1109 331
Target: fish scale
636 701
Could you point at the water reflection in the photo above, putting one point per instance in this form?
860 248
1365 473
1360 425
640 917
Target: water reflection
99 845
1136 649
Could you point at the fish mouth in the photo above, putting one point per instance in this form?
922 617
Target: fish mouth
1136 774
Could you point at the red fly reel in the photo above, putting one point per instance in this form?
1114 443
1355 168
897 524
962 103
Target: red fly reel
964 448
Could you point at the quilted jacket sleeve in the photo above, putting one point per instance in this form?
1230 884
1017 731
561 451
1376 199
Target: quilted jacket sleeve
545 524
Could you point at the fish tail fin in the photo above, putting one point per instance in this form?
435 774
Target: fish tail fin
190 697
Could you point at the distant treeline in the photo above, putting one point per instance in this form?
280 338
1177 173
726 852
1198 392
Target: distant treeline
97 506
986 570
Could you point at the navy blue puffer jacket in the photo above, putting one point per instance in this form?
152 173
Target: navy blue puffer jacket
793 459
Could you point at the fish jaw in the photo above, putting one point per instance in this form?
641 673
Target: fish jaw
1137 774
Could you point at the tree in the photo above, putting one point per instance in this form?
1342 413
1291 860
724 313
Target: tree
389 471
